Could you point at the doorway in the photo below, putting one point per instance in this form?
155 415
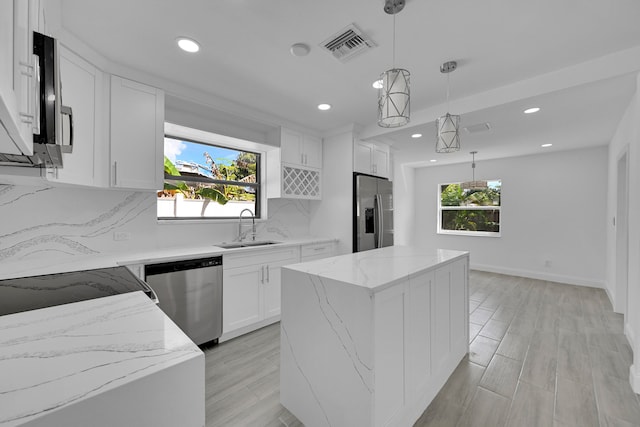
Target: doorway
622 235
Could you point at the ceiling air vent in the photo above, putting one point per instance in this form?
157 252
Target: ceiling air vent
347 43
480 127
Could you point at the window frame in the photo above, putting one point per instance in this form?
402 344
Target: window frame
198 136
441 208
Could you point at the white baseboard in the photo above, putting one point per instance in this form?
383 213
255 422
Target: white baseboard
570 280
634 379
246 329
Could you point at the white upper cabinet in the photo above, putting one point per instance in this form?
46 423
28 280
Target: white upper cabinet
294 170
300 149
137 135
17 76
371 158
82 86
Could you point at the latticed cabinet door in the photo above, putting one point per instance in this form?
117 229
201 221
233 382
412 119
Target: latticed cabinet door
301 183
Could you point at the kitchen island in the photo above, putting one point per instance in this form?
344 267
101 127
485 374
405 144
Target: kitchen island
112 361
368 339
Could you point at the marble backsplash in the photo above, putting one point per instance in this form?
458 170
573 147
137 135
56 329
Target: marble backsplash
57 223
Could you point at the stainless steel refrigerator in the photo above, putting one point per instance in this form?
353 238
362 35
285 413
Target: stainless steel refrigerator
372 212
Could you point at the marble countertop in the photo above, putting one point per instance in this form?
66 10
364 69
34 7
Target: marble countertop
27 268
378 269
58 356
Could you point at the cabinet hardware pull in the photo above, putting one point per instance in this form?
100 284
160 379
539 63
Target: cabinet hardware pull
267 274
115 173
262 274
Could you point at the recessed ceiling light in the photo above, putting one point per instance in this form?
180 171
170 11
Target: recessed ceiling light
377 84
188 45
416 135
532 110
546 145
433 160
299 49
324 107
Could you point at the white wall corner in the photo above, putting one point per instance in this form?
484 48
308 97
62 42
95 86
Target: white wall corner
609 294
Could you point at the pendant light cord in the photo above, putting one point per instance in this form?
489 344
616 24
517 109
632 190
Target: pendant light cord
448 109
394 41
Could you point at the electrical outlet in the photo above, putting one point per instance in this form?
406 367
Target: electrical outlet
119 236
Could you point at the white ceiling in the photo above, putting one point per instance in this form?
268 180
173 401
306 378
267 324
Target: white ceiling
546 50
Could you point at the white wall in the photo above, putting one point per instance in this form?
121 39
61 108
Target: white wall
627 138
44 225
332 217
553 208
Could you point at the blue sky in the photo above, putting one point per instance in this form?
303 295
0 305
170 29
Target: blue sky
188 151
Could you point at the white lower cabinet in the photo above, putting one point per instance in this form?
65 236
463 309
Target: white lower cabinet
251 293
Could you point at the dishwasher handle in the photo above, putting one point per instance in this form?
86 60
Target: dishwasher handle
173 266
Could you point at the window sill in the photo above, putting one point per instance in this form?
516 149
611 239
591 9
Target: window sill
470 233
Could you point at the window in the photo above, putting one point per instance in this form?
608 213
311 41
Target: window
470 208
207 178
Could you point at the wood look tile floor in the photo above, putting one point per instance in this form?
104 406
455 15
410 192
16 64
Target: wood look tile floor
541 354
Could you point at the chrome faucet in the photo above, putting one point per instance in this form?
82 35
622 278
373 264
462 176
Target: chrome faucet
253 227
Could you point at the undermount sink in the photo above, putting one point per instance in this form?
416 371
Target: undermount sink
247 244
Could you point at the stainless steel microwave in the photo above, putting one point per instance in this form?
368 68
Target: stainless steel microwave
53 130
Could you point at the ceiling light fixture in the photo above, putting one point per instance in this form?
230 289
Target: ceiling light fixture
473 184
393 96
324 107
416 135
546 145
299 49
377 84
448 126
532 110
433 160
188 45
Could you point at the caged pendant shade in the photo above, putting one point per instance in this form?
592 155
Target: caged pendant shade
393 95
448 126
448 133
393 98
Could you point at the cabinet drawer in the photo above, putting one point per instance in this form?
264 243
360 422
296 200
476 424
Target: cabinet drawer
317 250
266 256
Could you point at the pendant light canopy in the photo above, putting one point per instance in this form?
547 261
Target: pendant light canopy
448 126
394 96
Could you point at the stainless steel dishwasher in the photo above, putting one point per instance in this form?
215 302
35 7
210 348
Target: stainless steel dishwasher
190 293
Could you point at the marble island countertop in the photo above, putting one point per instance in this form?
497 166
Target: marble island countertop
380 268
58 358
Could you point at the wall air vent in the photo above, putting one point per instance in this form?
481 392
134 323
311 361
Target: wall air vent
477 128
347 43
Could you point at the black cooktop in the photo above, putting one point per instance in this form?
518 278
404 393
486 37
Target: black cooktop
30 293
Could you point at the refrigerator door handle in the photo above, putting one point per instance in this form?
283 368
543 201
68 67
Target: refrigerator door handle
380 225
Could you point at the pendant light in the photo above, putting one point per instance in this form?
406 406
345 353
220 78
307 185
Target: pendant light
393 96
448 126
473 184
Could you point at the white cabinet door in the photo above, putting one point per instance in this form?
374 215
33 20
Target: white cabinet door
81 89
242 297
312 152
290 146
137 135
380 161
299 149
271 288
17 77
362 157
